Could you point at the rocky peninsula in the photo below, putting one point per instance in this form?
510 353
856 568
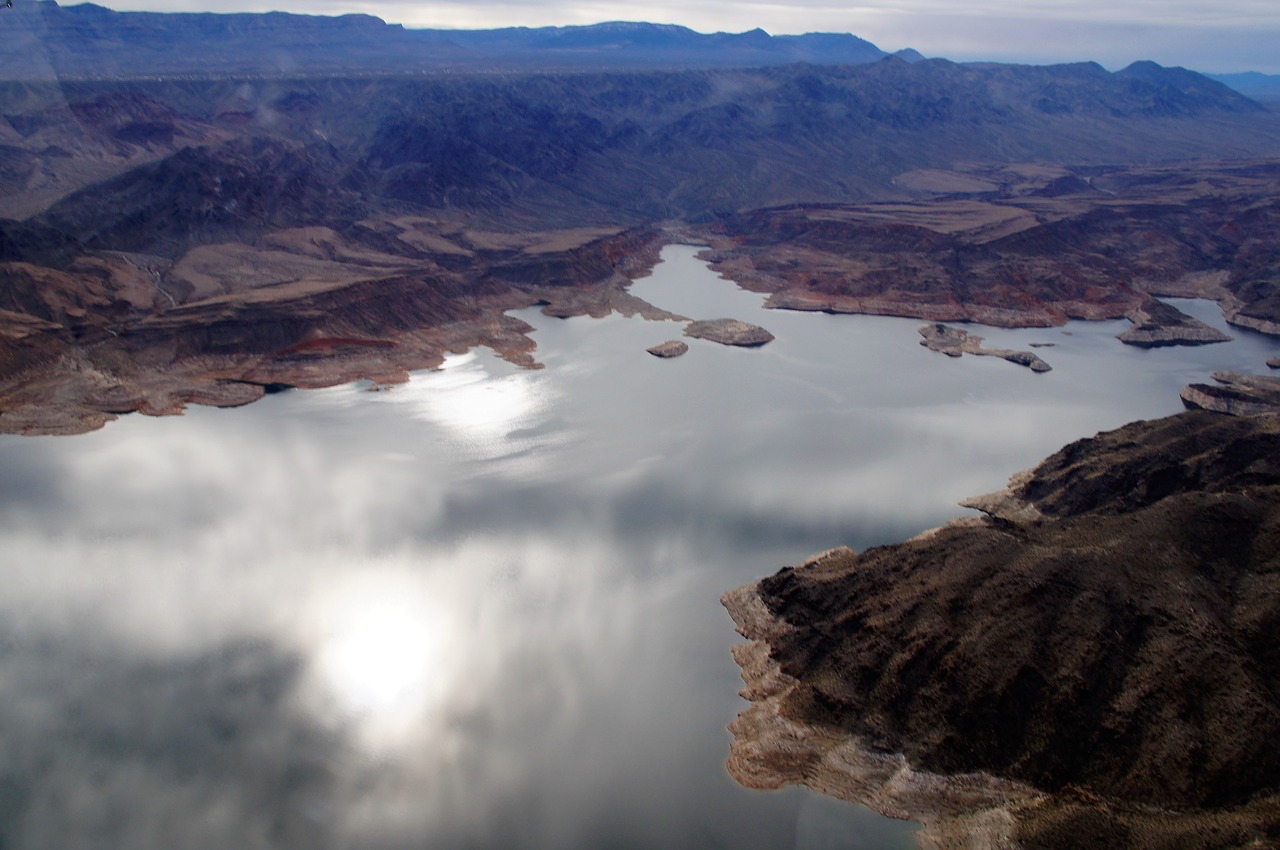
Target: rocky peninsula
1090 663
311 307
1021 246
670 348
1157 324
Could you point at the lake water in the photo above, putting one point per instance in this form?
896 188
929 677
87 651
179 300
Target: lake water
481 609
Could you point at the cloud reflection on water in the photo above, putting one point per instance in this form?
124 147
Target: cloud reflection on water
547 640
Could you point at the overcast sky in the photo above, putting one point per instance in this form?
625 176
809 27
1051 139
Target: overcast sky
1225 36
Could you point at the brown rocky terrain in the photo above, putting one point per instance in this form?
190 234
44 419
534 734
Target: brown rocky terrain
1092 663
119 332
160 303
670 348
1022 246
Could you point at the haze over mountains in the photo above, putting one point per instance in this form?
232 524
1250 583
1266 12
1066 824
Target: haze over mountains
46 40
578 148
1262 87
91 41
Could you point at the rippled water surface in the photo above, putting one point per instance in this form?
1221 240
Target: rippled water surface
481 609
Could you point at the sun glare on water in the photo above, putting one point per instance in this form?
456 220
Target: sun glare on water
380 658
381 664
464 397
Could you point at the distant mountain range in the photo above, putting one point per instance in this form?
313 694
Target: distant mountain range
1261 87
575 149
45 40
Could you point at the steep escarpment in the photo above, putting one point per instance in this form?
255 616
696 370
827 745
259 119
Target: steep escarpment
1255 272
1103 641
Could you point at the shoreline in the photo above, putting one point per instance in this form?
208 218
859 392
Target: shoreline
770 750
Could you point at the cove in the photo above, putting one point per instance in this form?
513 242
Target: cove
481 609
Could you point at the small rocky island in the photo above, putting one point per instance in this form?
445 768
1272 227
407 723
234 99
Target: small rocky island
1091 663
729 332
954 342
1157 324
670 348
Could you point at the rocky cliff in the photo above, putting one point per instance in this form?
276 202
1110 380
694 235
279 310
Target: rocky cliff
1234 393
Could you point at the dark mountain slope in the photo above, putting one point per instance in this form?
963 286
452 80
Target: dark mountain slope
1107 636
1177 91
625 148
231 192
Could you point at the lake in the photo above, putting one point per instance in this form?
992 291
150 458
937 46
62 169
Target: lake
481 609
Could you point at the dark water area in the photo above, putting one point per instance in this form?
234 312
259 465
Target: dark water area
481 609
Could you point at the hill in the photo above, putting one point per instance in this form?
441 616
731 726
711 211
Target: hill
1090 665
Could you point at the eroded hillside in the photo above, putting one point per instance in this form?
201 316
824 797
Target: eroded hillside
1090 665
